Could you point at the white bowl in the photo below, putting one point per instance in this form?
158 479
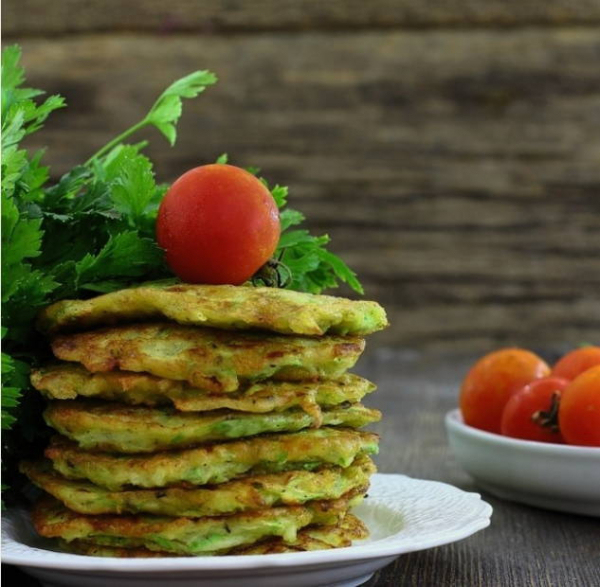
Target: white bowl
552 476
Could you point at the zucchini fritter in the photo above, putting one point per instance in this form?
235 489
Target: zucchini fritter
247 493
313 538
209 359
215 463
69 381
188 536
219 306
88 548
117 428
309 538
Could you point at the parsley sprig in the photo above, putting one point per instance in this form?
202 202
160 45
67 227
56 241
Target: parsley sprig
92 231
301 260
166 111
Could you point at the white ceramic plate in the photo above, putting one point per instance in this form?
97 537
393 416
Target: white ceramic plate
403 515
553 476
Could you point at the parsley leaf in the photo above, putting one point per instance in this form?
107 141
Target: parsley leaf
14 379
289 217
124 256
132 182
166 111
21 238
312 267
301 261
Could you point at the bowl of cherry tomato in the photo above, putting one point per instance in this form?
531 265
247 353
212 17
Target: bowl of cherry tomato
529 432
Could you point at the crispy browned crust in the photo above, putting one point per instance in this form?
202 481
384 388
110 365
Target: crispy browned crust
252 492
310 538
70 381
114 427
186 535
214 360
53 520
88 548
214 463
220 306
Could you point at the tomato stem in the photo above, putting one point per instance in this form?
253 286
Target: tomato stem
549 418
274 273
117 140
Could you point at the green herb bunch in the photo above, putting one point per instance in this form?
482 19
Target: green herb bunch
93 232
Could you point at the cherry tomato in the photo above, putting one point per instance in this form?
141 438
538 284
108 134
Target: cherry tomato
531 413
576 362
492 380
218 224
579 413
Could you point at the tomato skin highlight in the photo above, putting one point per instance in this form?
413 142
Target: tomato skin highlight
579 413
519 413
576 362
492 380
218 224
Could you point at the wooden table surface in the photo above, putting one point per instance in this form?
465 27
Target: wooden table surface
524 546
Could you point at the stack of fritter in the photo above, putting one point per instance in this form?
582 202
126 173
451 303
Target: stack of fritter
182 435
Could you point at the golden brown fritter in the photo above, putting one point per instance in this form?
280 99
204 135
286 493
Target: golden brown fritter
216 463
226 307
88 548
252 492
309 538
209 359
70 381
313 538
188 536
134 429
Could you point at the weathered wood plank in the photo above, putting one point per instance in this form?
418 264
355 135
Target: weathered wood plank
37 17
457 172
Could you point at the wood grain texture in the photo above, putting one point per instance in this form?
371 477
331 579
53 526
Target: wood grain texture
458 173
37 17
523 546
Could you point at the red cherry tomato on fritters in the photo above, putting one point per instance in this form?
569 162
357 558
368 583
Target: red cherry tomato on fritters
218 224
576 362
492 380
579 413
531 413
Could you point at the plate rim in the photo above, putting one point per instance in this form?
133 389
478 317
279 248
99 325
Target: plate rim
479 519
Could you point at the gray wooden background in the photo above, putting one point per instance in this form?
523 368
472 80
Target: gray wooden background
451 148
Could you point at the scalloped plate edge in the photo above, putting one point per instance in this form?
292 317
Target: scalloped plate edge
384 487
